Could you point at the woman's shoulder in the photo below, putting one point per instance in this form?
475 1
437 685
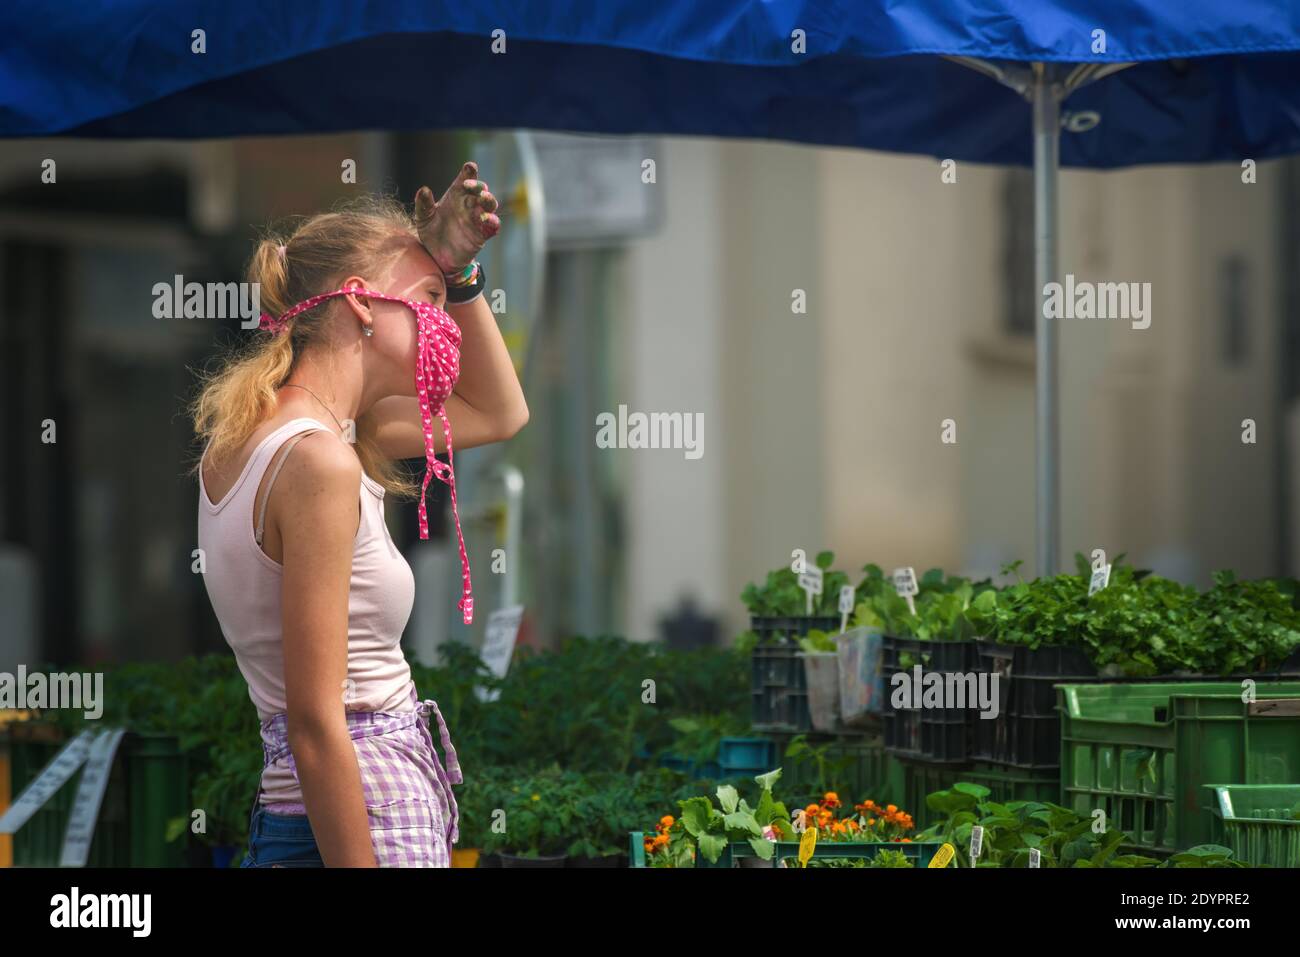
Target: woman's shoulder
320 458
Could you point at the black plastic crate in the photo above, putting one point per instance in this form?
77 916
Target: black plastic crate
790 628
778 683
1027 730
1026 734
938 735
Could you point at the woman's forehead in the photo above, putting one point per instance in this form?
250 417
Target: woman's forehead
416 265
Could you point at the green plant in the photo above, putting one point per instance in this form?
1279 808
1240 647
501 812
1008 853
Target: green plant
781 597
541 815
583 706
1142 625
941 604
698 737
711 828
1062 837
883 858
818 768
818 642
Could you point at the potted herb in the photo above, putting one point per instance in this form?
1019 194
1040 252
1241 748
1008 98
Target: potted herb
539 820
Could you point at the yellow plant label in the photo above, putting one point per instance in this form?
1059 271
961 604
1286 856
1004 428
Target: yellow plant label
944 855
807 844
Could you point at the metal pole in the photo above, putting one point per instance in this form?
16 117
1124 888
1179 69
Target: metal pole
1047 139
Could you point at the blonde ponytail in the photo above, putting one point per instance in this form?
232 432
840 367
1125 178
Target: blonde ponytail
314 258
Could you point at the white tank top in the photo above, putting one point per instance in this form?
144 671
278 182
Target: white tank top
243 584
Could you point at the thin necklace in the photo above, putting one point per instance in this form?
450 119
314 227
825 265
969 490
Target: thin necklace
294 385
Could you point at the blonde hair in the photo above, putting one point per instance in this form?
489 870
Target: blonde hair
314 257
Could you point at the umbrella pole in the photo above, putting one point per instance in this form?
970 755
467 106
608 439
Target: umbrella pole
1047 139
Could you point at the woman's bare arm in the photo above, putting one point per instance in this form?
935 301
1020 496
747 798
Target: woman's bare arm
486 406
314 504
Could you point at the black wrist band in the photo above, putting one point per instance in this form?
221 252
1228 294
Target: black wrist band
458 295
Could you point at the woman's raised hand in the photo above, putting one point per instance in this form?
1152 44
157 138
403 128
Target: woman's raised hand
455 228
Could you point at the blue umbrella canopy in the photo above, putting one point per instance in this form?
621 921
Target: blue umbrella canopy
1212 80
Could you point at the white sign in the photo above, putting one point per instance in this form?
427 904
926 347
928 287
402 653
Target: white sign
847 595
90 794
976 843
1100 579
613 199
499 645
51 778
905 581
906 586
1035 857
810 580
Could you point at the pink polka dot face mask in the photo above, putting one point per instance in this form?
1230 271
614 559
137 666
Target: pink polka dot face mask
437 367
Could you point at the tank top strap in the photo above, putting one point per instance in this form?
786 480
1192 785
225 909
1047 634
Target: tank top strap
256 465
287 446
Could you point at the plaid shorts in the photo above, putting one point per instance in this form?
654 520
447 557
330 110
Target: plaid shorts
408 792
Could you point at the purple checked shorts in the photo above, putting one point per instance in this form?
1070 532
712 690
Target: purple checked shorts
413 813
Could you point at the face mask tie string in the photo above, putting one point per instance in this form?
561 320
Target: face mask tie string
437 368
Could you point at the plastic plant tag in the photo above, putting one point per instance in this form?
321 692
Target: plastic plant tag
847 594
976 843
1035 857
943 856
807 844
1100 579
906 586
810 580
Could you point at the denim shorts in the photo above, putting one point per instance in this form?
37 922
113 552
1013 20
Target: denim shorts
280 840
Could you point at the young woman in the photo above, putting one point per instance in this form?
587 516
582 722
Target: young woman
356 359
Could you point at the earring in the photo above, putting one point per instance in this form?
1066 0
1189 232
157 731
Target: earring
367 331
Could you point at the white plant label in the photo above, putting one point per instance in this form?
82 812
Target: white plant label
51 778
810 580
906 586
976 843
499 645
90 795
1035 857
847 595
1100 579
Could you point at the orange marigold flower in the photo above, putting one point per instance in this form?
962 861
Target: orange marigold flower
892 809
662 840
667 820
871 822
813 809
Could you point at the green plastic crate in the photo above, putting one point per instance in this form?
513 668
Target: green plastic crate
636 849
158 785
1260 822
1142 752
919 852
147 786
